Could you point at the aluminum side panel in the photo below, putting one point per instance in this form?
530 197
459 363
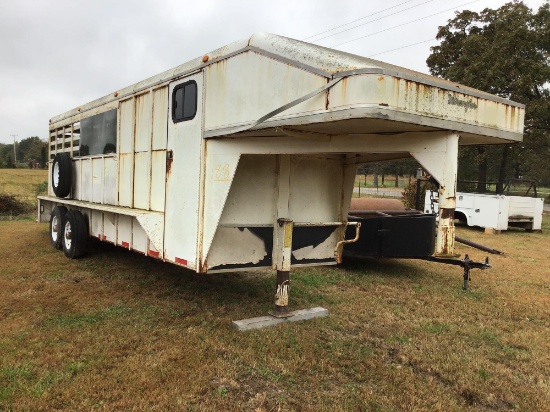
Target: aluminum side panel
124 231
98 166
126 127
86 180
140 242
426 100
109 227
144 118
183 184
160 118
315 188
158 180
126 179
77 179
110 191
247 86
142 180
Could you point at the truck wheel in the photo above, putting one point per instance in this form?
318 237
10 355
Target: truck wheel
75 235
62 174
57 223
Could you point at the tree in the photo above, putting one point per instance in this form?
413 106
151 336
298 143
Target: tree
504 52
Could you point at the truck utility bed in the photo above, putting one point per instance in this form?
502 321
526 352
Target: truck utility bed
493 211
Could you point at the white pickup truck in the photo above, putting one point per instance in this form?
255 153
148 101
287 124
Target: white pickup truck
492 210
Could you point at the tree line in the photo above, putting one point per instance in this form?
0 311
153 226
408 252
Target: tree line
31 151
505 52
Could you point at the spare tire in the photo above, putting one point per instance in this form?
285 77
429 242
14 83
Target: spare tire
62 174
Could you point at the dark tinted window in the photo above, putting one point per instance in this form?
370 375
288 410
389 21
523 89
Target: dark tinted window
98 134
184 101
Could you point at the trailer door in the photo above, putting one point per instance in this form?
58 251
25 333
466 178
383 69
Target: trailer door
183 165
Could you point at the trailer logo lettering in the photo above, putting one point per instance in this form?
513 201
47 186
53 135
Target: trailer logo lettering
467 104
221 172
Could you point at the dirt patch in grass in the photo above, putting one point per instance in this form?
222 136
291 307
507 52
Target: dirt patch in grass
120 331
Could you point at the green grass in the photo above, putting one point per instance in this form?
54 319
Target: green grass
120 331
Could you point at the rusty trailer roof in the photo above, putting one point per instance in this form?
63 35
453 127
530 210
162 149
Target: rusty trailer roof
331 64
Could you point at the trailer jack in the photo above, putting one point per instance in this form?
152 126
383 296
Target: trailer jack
466 263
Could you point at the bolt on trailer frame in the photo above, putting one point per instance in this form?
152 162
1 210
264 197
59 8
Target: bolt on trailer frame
246 157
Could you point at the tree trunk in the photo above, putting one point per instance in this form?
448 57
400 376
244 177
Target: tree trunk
397 180
481 170
382 179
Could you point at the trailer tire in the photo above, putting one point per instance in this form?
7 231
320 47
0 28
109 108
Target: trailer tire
62 174
75 235
57 223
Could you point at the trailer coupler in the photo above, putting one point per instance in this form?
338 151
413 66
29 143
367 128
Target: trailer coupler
466 263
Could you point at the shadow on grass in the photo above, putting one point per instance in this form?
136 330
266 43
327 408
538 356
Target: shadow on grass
114 264
384 267
234 292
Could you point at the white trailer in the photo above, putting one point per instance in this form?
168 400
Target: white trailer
246 157
493 211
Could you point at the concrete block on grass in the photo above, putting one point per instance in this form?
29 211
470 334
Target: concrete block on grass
265 321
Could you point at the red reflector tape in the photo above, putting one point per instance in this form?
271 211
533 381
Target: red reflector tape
153 253
181 261
126 245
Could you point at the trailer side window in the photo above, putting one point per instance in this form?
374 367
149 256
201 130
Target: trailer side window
98 134
184 101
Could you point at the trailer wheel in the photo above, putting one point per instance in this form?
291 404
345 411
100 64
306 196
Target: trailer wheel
75 235
62 174
57 223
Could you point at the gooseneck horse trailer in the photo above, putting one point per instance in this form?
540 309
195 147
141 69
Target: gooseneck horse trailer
246 157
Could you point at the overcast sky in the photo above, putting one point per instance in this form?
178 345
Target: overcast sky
56 55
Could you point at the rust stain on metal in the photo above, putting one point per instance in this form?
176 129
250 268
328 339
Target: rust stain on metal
203 267
169 161
445 245
344 86
447 213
